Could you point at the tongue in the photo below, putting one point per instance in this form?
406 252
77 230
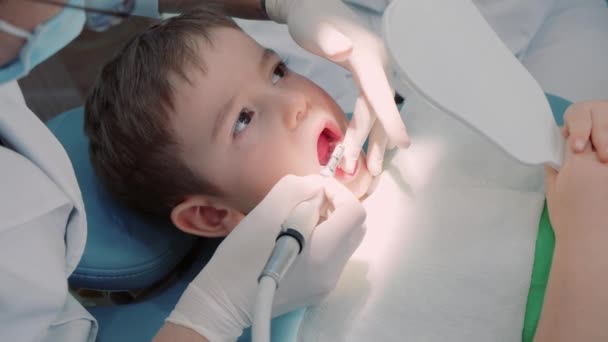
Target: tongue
323 149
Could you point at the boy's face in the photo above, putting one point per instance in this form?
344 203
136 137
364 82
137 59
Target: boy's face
247 121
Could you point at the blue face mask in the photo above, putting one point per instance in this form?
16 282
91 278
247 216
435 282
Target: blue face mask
45 41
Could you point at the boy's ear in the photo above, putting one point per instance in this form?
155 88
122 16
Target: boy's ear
205 216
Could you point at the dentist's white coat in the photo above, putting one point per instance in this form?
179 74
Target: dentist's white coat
42 230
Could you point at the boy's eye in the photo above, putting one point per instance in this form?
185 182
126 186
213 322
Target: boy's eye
245 117
280 71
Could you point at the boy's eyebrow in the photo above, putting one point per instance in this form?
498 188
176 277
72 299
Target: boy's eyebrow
267 55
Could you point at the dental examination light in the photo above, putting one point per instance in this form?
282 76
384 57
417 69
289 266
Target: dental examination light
295 231
446 52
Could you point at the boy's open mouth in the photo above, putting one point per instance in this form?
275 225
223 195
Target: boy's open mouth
328 139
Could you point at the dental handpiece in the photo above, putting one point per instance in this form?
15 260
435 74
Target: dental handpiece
336 156
298 226
295 231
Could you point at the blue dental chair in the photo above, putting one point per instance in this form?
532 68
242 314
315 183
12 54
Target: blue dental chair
127 253
143 263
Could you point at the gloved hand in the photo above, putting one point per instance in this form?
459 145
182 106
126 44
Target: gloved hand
332 30
218 304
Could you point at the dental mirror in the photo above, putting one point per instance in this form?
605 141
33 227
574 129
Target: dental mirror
449 54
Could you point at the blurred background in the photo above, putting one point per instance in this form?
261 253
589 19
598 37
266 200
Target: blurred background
63 81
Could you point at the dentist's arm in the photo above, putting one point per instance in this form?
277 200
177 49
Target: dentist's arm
218 304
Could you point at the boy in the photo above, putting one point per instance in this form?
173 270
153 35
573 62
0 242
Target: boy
209 121
252 117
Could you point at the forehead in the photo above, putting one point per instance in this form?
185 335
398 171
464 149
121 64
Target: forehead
227 45
228 55
227 60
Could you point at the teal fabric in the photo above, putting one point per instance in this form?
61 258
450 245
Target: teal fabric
124 251
558 106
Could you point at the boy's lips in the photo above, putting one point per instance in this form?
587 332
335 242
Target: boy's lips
329 137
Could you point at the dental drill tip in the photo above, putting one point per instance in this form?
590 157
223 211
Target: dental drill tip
325 172
330 169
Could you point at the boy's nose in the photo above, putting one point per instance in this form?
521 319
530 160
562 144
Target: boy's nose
295 109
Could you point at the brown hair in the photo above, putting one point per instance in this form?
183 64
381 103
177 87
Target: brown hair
128 111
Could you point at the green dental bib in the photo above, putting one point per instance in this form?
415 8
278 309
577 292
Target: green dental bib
543 256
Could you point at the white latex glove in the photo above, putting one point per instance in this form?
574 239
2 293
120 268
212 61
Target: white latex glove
331 29
218 304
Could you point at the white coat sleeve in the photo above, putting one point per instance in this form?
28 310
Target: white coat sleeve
34 300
